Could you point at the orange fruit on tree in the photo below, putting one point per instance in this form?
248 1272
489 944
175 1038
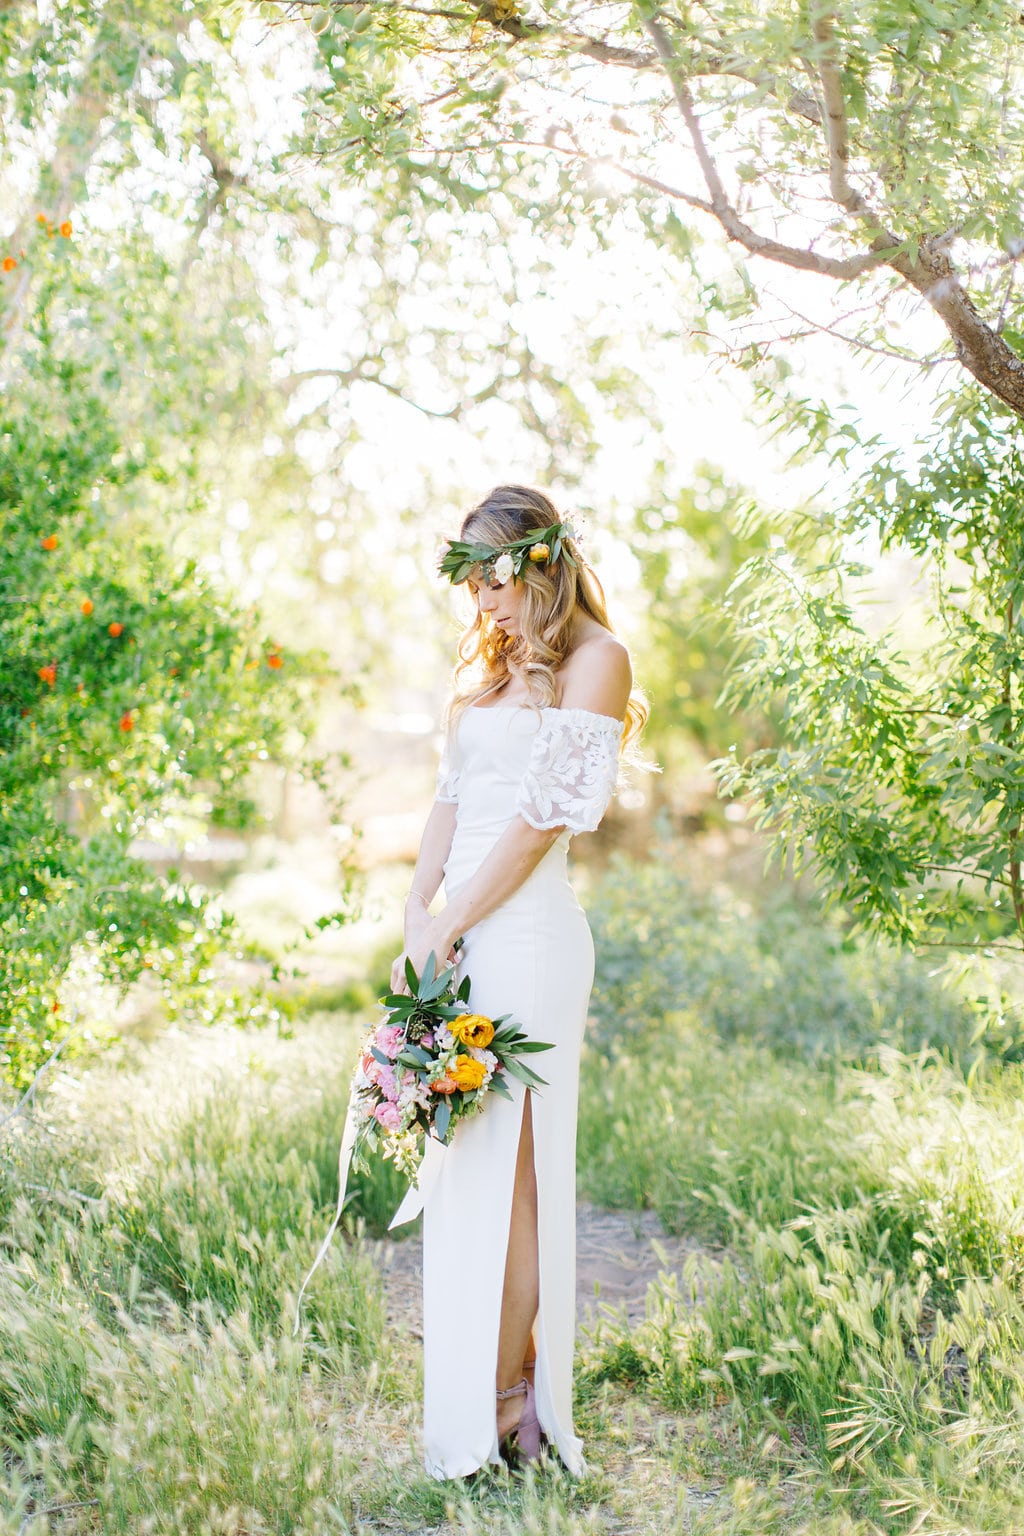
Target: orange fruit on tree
126 722
65 229
87 606
9 263
275 661
115 629
50 542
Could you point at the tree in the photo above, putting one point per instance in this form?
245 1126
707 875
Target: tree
874 154
900 777
133 698
874 146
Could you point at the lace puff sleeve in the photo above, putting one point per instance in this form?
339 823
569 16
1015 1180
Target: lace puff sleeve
573 767
447 790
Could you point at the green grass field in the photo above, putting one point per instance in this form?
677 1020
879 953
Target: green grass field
845 1355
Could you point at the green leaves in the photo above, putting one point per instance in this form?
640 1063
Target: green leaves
524 1073
461 557
426 988
901 777
130 689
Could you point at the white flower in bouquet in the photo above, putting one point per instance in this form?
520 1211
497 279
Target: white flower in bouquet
488 1058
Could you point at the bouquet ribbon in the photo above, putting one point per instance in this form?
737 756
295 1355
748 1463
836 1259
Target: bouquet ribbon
413 1202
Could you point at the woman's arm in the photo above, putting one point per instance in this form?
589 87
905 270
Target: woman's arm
514 856
435 846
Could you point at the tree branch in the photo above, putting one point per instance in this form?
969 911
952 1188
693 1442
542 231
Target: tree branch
821 328
225 180
30 1091
982 944
609 163
977 346
511 25
842 267
361 373
966 874
836 134
715 61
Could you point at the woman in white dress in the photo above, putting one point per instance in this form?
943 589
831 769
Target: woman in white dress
543 703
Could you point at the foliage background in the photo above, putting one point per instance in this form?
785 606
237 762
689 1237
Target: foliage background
282 289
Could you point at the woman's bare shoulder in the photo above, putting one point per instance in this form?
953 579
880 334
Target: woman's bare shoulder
598 675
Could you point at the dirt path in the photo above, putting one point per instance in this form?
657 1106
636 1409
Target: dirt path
616 1260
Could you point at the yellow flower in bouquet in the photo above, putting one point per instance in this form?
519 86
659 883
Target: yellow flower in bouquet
468 1073
472 1029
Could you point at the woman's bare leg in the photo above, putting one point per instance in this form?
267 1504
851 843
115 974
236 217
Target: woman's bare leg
521 1293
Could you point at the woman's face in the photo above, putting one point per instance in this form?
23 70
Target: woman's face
502 600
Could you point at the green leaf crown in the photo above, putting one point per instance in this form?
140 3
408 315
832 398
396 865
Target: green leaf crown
460 558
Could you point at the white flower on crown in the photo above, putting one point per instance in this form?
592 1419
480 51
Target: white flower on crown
504 567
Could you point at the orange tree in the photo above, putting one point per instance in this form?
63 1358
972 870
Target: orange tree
130 690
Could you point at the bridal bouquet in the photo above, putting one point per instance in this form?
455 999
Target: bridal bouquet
430 1063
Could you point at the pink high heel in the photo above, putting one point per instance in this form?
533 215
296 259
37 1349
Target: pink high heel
528 1428
509 1442
522 1442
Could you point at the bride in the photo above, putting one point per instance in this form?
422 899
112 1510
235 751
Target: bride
543 705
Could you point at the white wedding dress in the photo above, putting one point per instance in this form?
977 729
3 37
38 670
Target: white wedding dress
532 958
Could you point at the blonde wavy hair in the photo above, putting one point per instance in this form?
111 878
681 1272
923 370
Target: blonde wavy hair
554 593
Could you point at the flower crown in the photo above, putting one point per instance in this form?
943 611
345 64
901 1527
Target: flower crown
500 562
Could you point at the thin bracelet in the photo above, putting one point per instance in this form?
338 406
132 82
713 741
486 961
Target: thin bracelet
426 900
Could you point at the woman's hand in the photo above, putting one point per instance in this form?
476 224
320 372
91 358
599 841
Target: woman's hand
428 937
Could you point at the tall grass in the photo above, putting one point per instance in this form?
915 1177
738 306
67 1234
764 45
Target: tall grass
844 1357
146 1358
868 1306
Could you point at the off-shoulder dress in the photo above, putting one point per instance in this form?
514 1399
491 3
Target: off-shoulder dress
533 957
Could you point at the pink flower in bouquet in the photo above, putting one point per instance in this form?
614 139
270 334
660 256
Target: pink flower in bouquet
389 1039
389 1116
384 1077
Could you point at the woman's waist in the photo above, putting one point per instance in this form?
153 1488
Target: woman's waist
471 846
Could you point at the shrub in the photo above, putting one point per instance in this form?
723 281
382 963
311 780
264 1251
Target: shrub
781 977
